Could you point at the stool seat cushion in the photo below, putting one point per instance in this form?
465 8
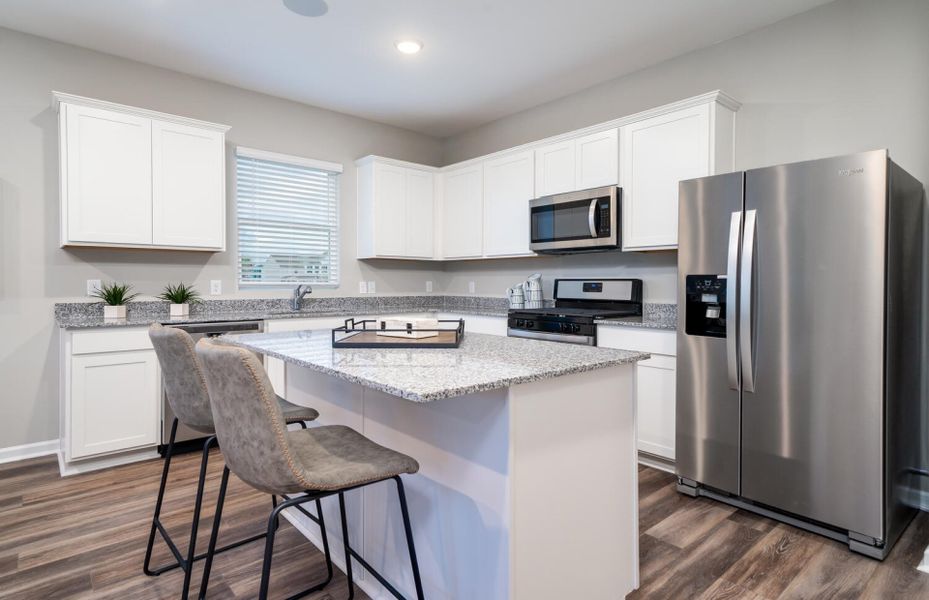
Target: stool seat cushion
333 457
294 413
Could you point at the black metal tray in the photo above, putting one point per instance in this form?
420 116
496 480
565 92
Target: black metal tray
363 334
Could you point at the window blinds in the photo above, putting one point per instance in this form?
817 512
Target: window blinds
287 212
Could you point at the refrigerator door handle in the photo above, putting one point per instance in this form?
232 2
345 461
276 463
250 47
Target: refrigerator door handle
745 301
732 274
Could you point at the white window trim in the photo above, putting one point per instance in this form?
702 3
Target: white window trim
288 158
298 160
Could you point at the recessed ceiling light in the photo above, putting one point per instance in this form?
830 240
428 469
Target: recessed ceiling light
308 8
409 46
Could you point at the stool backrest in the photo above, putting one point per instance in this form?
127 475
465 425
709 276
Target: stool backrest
184 383
249 424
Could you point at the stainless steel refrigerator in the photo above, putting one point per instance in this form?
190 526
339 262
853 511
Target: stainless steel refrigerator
799 344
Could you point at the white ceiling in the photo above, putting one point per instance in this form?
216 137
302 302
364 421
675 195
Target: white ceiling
482 59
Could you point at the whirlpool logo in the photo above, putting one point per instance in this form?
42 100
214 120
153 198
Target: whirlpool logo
850 172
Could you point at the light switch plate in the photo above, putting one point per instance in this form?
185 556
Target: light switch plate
471 287
362 287
428 287
216 287
92 286
370 287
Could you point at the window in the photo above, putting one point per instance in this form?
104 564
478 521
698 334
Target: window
288 219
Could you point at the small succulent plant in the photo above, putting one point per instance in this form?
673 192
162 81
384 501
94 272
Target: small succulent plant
180 294
114 294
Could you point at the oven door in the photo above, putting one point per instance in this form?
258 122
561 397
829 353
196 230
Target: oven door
584 220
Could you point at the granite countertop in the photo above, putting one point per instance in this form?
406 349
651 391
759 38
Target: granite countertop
655 316
82 315
482 362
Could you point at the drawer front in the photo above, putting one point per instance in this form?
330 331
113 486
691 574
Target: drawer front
116 339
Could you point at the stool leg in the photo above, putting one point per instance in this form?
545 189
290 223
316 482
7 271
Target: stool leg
195 525
348 555
161 495
322 529
214 534
269 549
409 539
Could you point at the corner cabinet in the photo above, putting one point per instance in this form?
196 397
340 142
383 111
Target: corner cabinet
110 394
396 210
660 152
135 178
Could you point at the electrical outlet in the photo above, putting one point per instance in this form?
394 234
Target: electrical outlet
370 287
428 287
362 287
471 287
216 287
92 286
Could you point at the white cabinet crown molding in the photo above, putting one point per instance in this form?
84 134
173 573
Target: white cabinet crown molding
717 96
370 158
63 97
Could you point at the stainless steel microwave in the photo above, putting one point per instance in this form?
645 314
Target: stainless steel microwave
584 221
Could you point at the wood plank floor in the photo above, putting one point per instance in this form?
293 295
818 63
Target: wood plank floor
84 537
699 548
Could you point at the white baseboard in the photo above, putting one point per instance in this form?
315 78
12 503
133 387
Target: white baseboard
656 462
15 453
87 465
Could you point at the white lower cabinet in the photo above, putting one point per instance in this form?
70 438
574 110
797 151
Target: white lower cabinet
655 384
111 393
655 398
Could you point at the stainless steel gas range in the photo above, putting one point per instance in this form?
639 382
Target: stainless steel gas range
578 303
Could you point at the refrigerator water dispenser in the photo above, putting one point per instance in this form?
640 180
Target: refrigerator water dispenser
706 305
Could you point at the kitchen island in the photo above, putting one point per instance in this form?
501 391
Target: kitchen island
527 487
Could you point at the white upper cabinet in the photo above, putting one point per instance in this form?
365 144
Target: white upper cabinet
555 168
462 220
597 159
136 178
389 209
396 210
188 186
660 152
107 187
577 164
483 204
508 187
420 214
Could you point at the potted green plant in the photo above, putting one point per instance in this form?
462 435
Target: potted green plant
181 296
115 296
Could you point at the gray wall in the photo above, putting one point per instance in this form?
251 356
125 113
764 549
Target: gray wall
34 272
849 76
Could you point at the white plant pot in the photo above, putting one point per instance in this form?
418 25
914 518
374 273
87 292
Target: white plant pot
114 312
180 310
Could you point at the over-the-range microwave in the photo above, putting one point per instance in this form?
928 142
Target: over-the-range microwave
584 221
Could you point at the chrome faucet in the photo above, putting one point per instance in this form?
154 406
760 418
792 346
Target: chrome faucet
299 292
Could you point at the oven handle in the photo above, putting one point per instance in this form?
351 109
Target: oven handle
591 216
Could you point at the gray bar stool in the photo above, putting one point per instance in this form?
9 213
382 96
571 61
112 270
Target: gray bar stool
189 399
320 461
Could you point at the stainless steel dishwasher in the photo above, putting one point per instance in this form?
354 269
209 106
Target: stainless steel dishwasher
188 439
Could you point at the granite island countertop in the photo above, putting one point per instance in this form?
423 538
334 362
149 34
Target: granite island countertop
482 362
